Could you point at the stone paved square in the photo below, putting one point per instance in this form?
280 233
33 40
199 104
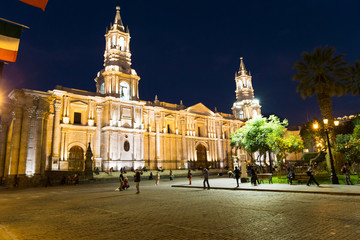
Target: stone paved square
97 211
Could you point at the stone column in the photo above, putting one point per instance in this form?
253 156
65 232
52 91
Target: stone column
4 127
184 163
157 139
25 138
39 161
15 140
56 134
99 110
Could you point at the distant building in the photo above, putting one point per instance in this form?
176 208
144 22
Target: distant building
50 131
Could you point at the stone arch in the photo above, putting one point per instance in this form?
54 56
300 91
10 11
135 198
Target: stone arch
76 157
77 144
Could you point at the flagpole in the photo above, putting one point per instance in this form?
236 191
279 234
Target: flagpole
21 25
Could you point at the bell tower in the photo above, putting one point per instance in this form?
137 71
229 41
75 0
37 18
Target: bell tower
246 106
118 78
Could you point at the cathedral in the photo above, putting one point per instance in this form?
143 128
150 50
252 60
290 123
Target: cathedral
50 131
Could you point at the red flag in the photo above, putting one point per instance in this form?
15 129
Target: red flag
36 3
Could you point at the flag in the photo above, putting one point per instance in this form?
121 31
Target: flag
9 41
36 3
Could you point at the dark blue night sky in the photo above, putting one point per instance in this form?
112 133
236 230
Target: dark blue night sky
187 50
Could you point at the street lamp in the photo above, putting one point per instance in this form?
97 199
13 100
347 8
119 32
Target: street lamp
334 178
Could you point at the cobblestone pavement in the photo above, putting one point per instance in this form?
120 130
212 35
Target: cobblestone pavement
96 211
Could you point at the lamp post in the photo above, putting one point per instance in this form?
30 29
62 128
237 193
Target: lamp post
334 178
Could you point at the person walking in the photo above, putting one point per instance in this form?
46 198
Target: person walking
189 176
206 178
346 171
171 175
310 172
254 177
157 178
137 181
237 173
121 179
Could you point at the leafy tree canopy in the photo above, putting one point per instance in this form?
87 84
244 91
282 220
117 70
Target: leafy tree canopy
266 134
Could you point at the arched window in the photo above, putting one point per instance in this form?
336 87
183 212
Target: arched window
248 83
124 91
241 114
255 113
122 44
102 88
109 43
113 42
126 146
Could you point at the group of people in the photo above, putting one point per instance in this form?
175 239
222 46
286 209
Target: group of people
252 172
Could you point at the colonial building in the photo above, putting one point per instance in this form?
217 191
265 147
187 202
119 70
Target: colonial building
50 131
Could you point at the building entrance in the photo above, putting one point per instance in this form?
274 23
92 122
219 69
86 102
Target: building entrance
201 156
76 159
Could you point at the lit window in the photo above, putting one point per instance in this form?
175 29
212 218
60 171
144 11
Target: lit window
241 114
122 44
124 91
255 113
113 42
102 88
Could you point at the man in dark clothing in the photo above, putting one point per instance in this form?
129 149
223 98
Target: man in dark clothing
206 178
310 173
346 171
137 181
237 173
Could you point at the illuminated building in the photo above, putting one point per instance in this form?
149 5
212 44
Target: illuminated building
50 131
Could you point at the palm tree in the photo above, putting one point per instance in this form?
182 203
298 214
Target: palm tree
353 84
322 74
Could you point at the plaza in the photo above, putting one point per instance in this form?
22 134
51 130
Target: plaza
97 211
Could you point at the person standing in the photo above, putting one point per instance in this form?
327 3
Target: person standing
206 178
189 176
237 173
310 173
121 179
157 178
346 171
137 181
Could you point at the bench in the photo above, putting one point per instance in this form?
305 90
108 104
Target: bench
300 177
265 176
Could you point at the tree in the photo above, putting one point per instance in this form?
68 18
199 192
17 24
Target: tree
349 145
260 134
352 85
322 74
289 143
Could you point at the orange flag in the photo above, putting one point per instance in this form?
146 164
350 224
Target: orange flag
36 3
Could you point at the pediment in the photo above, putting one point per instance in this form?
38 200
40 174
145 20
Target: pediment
201 109
79 103
170 116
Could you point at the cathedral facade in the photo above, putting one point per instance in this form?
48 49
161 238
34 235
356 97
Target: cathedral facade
50 131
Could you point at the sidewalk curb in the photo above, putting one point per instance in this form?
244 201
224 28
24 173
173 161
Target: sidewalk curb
271 190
